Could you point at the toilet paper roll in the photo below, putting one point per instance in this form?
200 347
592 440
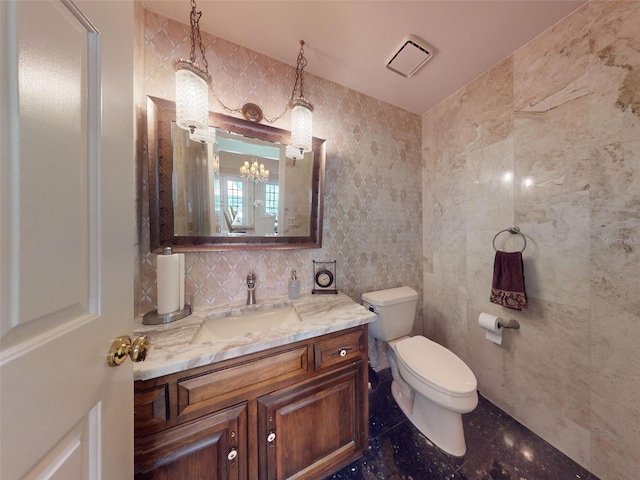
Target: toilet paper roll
490 323
168 283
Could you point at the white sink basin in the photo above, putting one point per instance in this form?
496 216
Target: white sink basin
223 328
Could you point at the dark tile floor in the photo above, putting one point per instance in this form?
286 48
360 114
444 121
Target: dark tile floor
498 448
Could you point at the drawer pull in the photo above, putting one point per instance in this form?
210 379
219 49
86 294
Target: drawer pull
342 352
232 454
271 437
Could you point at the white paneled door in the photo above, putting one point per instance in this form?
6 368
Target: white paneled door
66 238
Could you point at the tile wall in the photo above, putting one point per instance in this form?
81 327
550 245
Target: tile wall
372 206
548 140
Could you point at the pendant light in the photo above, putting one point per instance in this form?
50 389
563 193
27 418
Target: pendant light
301 117
192 83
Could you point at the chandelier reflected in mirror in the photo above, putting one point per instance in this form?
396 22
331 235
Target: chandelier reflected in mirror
193 84
254 172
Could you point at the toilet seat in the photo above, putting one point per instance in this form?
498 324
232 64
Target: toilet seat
436 366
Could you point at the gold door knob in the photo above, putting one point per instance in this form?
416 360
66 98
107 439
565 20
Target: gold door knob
122 346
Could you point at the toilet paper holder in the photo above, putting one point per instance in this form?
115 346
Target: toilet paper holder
155 318
512 323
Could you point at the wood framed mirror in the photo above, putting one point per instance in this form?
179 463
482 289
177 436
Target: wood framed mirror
198 200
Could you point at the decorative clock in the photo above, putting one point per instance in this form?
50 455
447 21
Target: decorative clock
324 276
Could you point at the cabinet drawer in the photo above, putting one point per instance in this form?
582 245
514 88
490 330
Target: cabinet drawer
347 347
151 408
202 392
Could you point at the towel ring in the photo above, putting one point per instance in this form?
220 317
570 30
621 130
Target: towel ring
514 231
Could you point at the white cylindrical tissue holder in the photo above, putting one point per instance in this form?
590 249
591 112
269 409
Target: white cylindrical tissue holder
168 283
490 323
181 281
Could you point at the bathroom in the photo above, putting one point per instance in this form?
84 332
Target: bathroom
548 140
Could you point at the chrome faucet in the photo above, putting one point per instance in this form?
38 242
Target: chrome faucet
251 288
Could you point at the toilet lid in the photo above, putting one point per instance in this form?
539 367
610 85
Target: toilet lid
436 365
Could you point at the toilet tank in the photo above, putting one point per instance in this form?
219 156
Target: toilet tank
395 308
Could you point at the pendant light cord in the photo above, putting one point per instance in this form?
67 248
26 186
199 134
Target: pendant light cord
196 38
302 62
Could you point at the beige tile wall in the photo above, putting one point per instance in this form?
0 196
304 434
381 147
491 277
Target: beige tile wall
372 223
549 140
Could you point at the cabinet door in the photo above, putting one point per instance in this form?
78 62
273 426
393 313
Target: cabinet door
213 447
310 430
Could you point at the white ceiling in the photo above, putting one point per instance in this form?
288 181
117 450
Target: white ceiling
349 42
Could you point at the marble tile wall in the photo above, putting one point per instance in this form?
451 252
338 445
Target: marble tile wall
548 140
372 205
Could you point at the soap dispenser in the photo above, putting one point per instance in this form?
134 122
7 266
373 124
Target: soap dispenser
294 285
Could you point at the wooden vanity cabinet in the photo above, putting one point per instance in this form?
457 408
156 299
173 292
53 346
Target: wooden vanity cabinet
295 411
210 447
310 428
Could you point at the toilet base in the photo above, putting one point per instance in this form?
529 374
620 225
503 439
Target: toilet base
442 427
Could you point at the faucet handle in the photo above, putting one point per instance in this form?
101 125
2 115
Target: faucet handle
251 288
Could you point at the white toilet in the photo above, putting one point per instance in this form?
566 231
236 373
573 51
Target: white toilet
432 385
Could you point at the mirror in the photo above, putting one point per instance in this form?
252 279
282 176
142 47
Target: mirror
199 201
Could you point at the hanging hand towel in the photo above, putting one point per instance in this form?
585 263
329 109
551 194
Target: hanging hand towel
508 281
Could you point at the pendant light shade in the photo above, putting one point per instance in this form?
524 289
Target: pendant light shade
294 153
203 135
301 125
193 83
301 116
192 96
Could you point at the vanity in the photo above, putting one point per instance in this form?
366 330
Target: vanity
275 390
286 401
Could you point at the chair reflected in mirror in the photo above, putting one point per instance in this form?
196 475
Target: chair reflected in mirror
230 216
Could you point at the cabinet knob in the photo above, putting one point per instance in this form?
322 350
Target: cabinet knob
232 454
271 437
341 352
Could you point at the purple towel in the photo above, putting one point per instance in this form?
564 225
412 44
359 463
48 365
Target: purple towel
508 281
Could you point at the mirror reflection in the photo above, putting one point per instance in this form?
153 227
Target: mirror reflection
237 193
238 186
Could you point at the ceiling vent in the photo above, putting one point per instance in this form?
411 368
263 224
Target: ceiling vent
410 56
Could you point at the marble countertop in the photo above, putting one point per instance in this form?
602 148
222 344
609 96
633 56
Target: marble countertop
171 350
